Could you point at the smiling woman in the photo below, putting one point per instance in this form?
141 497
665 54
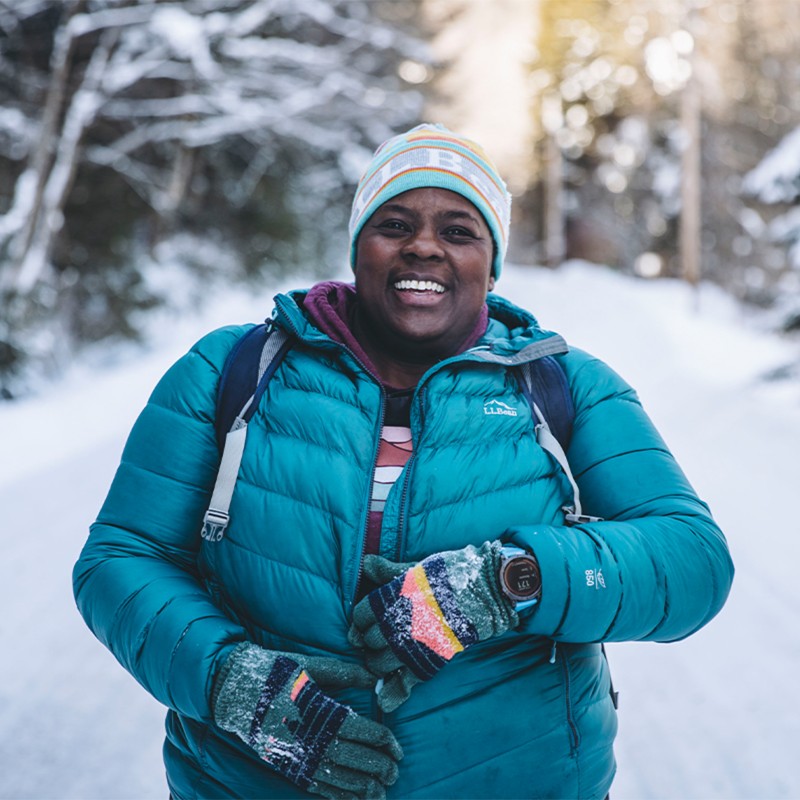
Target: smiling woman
402 601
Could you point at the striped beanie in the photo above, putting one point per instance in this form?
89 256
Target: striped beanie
432 156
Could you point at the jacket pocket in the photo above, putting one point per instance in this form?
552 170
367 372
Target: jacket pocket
562 657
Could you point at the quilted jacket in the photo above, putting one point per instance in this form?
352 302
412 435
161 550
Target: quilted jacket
528 714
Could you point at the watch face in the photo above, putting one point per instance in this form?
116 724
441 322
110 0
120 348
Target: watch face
521 577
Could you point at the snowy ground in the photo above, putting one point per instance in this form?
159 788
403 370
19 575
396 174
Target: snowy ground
716 716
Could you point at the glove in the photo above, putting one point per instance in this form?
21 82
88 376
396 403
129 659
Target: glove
413 625
269 700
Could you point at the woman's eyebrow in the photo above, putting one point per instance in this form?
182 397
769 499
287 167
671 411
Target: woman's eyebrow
454 214
458 214
396 208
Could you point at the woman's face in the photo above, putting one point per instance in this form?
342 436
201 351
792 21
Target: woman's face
423 268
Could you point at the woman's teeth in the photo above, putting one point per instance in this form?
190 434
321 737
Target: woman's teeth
419 286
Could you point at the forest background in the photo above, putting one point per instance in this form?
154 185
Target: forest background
152 152
165 167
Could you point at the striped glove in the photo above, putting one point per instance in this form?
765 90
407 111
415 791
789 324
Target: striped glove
269 700
424 614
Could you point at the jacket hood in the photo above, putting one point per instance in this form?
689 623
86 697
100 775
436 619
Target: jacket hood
512 329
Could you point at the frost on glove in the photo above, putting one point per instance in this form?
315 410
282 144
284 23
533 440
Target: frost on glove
270 701
425 614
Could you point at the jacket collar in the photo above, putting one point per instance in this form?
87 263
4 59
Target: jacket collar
512 336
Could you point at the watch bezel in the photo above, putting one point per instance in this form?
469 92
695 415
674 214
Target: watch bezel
506 564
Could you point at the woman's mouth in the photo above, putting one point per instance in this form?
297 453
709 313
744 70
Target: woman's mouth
419 286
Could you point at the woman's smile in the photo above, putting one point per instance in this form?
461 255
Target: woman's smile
420 287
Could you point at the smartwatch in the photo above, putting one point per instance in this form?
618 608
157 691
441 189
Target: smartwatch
520 579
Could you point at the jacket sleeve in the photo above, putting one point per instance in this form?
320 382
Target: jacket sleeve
658 567
136 581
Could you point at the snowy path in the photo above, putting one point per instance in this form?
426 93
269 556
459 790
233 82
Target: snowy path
716 716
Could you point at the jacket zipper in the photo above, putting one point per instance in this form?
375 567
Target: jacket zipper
365 525
574 736
401 523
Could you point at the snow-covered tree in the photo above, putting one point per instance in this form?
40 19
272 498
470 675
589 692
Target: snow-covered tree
127 125
775 182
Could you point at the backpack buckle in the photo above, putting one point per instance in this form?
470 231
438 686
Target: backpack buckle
572 518
214 525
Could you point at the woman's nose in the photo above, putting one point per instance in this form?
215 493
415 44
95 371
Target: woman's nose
424 244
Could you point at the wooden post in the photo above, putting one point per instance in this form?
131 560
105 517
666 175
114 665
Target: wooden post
691 209
554 240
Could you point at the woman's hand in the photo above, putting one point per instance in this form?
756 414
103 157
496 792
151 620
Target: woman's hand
425 614
269 700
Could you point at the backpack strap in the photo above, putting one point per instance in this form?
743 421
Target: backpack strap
240 376
546 382
244 378
546 388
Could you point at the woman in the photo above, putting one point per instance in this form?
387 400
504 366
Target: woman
398 606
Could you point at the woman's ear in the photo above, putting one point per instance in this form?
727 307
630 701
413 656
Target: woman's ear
491 283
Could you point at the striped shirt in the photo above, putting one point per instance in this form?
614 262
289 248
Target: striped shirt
393 454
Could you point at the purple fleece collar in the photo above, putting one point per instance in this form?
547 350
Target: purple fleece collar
330 306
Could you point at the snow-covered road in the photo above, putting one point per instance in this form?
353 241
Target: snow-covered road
716 716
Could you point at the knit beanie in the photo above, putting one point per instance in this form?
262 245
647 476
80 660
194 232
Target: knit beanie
432 156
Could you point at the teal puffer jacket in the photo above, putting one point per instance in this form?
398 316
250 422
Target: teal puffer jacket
528 714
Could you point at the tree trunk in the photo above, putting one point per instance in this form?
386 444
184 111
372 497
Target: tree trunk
42 160
33 261
691 210
554 241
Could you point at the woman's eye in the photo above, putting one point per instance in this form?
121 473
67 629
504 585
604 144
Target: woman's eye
459 231
393 225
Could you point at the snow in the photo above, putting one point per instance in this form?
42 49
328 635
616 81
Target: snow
774 179
715 716
187 37
24 195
